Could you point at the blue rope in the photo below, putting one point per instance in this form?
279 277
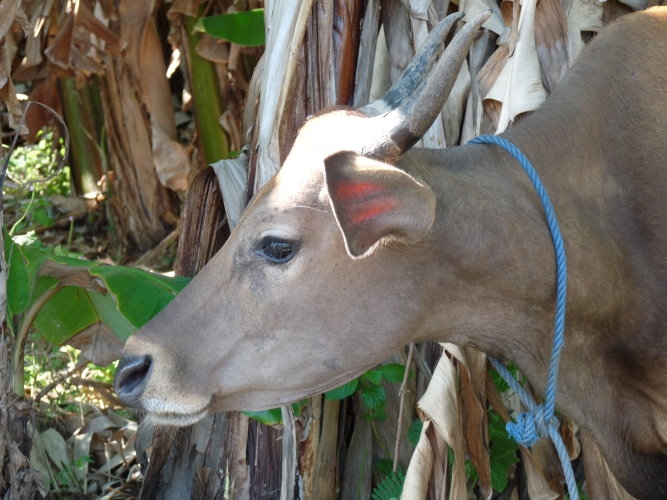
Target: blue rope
539 420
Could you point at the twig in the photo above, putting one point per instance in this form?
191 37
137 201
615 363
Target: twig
61 378
401 405
102 388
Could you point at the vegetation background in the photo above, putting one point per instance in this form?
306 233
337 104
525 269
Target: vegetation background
152 93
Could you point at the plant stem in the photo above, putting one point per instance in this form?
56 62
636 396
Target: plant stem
22 335
401 405
80 108
206 96
25 213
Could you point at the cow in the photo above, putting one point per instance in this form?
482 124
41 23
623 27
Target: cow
361 244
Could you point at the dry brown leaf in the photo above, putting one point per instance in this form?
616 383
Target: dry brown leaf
519 85
474 110
380 80
435 135
370 33
69 275
548 465
472 399
583 15
145 59
455 107
420 471
8 95
551 41
280 58
171 160
48 456
569 431
95 33
10 13
8 9
494 23
213 49
188 8
232 126
141 207
398 37
98 344
600 482
58 51
233 181
439 406
536 484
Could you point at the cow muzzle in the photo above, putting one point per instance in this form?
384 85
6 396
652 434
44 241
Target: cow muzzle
131 377
154 382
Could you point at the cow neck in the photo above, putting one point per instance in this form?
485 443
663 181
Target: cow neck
540 419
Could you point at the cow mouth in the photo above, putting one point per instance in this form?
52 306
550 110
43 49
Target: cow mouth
177 418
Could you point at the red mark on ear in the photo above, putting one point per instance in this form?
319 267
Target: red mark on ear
353 191
370 209
361 201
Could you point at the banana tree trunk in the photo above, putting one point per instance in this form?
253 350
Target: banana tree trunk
143 156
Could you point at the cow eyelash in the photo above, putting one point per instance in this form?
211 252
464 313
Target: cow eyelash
276 250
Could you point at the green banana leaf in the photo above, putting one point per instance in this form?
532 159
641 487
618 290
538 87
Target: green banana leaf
244 28
73 294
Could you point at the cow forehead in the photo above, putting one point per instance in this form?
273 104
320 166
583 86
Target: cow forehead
300 181
329 133
281 203
301 177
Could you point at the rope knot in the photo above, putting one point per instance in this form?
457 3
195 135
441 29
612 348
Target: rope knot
531 426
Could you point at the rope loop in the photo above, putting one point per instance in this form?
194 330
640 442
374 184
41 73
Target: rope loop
540 419
530 426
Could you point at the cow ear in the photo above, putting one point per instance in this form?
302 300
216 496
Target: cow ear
374 201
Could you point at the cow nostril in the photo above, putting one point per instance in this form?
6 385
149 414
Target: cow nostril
131 376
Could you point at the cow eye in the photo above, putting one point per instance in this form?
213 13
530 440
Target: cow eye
276 250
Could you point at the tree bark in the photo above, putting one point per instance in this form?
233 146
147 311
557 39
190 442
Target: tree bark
17 480
142 209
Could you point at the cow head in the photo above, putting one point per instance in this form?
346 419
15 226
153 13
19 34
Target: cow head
317 282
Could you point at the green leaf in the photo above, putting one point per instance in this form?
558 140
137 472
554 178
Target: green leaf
390 488
373 396
384 466
499 381
373 377
299 406
275 415
244 28
378 415
502 452
499 477
391 372
24 263
18 279
415 431
343 391
136 295
139 294
267 417
111 316
67 313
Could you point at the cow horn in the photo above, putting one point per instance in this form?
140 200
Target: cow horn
405 124
417 69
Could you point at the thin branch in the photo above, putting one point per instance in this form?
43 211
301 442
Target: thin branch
401 405
60 379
